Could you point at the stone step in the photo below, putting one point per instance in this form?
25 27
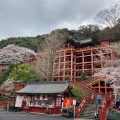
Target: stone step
89 108
91 118
88 111
88 114
88 117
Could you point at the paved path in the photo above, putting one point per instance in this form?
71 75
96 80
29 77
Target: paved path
7 115
82 119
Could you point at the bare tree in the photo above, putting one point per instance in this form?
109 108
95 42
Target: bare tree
40 66
109 16
48 55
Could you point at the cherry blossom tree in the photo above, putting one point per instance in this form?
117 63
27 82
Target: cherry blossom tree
111 68
8 85
112 75
15 54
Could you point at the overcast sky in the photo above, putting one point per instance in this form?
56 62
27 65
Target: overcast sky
36 17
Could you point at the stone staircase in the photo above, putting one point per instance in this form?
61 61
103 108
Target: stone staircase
89 110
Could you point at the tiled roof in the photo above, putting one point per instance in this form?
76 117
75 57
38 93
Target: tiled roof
81 42
86 41
44 88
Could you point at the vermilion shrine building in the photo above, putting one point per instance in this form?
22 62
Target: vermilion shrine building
78 57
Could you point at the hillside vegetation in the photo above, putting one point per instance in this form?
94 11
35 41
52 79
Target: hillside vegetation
83 32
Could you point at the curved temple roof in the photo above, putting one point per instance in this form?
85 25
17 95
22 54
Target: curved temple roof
80 43
44 88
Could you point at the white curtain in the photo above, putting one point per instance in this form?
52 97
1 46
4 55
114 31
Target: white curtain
19 100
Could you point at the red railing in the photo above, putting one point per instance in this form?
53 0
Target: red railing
83 85
103 111
91 97
82 105
105 107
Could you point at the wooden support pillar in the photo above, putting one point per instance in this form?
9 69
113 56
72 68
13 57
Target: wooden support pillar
105 88
59 66
74 67
71 69
101 56
55 101
92 61
64 65
82 62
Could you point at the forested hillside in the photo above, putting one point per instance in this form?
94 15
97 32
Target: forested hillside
83 32
28 42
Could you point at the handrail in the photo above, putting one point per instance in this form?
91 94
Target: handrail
81 107
88 88
103 111
83 85
105 107
91 97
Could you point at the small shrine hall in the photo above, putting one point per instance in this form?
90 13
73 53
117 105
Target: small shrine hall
43 97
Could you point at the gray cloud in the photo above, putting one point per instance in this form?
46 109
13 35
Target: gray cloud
34 17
